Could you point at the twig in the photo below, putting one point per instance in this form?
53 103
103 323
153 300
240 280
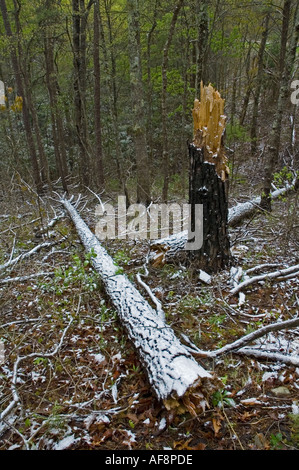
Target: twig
152 296
14 391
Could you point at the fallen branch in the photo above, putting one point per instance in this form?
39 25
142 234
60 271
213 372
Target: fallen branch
175 377
281 274
22 256
238 346
25 278
271 356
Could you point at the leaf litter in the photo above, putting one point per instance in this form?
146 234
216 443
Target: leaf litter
94 393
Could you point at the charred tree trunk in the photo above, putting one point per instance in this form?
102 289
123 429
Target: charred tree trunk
208 189
176 378
209 182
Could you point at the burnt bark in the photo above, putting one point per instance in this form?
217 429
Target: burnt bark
208 189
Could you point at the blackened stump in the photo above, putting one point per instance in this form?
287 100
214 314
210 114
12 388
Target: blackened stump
208 189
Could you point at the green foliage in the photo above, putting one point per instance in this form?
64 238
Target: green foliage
236 132
282 177
79 274
221 398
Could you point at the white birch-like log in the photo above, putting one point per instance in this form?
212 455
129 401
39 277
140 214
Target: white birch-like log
176 243
172 371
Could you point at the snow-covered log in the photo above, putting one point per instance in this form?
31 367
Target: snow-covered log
175 377
169 247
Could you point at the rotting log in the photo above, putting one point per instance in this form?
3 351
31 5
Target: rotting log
168 248
175 377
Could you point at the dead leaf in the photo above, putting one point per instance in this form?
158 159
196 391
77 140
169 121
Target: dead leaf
216 425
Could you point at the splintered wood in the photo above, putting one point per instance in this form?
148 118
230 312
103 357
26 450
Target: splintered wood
209 128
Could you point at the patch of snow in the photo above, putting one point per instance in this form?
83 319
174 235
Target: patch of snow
99 358
162 424
65 443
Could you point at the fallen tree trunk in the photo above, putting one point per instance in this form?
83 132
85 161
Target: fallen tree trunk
175 377
169 247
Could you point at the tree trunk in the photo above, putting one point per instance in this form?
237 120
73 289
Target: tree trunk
209 182
98 152
165 156
112 98
259 83
273 147
138 104
57 126
79 49
202 24
176 378
21 93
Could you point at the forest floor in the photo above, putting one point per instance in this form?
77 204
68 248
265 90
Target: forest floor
79 380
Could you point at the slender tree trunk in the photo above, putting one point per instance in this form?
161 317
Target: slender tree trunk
285 64
110 80
44 167
57 130
138 104
259 83
165 155
21 92
79 49
98 152
149 132
202 24
248 87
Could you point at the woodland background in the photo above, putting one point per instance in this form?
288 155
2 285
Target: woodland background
103 91
99 98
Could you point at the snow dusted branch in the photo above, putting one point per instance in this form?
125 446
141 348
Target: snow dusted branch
238 346
281 274
25 278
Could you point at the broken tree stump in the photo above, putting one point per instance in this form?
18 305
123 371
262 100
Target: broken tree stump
174 375
208 181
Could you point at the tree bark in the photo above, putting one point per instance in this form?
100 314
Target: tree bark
79 49
176 378
138 104
272 153
98 151
259 83
208 189
165 156
57 126
21 93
